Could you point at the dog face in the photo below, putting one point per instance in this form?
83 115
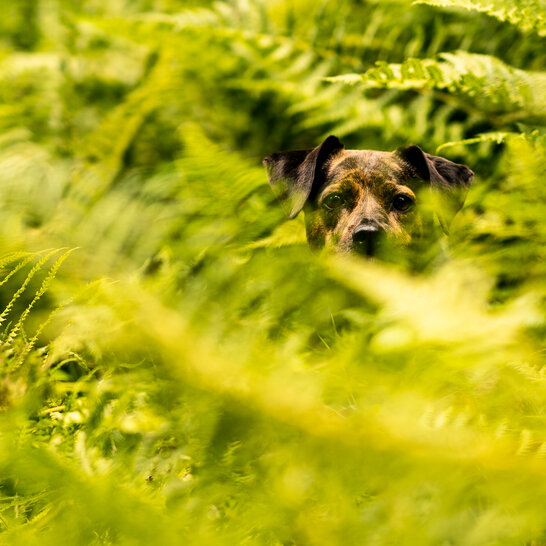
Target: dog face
358 200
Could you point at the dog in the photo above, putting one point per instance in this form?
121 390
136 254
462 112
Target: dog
363 200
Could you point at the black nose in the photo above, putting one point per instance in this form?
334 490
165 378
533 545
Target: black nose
365 238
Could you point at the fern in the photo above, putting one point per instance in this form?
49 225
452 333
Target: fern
20 265
486 80
530 15
15 330
496 137
35 269
213 371
100 163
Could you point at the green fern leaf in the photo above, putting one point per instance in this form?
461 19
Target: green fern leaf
526 14
41 291
32 341
497 137
18 267
26 282
494 84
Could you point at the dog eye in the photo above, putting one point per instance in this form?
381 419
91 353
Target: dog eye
333 201
402 203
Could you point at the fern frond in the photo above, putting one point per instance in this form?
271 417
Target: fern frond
497 137
30 344
213 165
19 266
188 18
41 291
10 258
486 79
26 282
526 14
287 234
101 162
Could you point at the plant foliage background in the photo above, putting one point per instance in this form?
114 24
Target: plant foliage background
176 366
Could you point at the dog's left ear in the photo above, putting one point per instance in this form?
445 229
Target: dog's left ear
295 175
450 180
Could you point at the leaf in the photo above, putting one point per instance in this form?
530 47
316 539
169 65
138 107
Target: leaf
529 15
489 81
26 282
40 292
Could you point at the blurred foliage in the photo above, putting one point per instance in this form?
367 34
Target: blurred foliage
177 366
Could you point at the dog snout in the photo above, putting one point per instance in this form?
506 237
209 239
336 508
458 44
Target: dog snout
365 238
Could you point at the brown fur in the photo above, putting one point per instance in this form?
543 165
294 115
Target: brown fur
353 198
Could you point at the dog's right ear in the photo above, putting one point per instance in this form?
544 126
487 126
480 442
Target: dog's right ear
295 176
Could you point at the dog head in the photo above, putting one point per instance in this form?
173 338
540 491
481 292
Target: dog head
355 199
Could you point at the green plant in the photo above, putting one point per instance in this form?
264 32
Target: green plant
193 373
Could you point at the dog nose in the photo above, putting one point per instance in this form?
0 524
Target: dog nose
365 238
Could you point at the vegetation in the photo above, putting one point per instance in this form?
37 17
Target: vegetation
177 366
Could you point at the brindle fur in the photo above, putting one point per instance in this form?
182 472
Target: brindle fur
367 182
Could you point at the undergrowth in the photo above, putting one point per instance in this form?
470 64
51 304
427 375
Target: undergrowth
177 366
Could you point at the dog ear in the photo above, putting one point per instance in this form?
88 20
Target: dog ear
296 175
450 180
